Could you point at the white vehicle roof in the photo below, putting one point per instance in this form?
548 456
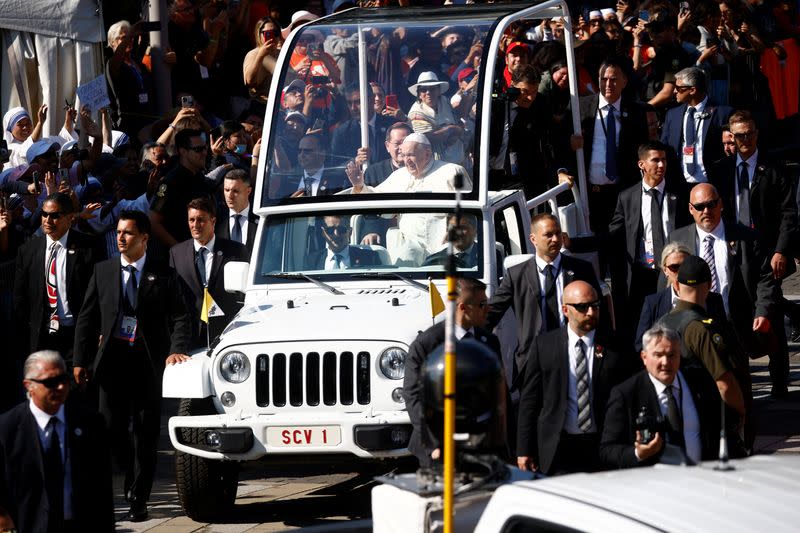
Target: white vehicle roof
759 495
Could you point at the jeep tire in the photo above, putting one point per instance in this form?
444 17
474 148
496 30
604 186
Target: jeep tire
206 488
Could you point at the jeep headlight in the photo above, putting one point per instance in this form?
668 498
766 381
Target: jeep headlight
234 367
393 362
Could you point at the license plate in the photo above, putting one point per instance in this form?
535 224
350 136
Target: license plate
300 436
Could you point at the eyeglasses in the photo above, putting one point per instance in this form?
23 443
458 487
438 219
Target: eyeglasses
52 215
339 230
198 149
53 382
584 306
744 136
425 89
711 204
674 268
683 88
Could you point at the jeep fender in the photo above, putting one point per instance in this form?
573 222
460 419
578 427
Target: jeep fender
191 379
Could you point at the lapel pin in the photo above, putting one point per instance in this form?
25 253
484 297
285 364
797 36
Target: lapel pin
219 253
151 277
570 273
598 351
78 432
71 251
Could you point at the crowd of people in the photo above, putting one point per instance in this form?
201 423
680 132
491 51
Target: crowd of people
117 227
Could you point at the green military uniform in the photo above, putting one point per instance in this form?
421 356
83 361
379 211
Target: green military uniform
176 190
709 349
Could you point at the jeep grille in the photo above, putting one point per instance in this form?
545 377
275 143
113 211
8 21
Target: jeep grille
306 379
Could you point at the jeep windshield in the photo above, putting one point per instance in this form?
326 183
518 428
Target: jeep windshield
401 244
421 76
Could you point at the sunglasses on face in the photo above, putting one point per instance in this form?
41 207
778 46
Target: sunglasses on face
744 136
584 306
53 382
339 230
52 215
683 88
674 268
711 204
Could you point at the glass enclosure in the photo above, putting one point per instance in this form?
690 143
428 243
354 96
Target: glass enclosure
424 77
411 243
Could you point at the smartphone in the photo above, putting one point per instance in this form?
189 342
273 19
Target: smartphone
320 80
683 7
644 16
269 34
187 101
37 180
318 124
3 202
150 26
391 101
63 175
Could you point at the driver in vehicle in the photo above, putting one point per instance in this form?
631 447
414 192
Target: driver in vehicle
466 249
338 254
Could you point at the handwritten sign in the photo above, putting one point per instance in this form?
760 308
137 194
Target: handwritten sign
94 94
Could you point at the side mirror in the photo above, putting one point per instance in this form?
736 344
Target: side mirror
236 276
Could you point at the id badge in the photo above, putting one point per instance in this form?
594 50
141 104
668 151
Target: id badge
54 325
144 98
127 329
688 154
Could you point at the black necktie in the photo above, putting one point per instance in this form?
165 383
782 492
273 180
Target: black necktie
131 288
743 179
200 262
236 232
656 224
691 138
612 173
308 186
54 474
550 300
675 431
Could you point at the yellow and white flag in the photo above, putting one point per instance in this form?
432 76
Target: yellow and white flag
210 308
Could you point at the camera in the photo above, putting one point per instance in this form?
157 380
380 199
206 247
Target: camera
187 101
78 153
647 425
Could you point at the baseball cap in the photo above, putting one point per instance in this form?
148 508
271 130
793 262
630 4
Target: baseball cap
40 148
694 271
296 85
466 73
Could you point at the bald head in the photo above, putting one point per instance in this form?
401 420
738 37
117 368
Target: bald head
581 307
705 206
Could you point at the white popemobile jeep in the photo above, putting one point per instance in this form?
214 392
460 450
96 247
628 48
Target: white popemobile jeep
312 366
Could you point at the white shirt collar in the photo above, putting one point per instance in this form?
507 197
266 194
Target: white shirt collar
139 263
751 161
316 175
244 212
701 107
602 102
660 187
62 241
572 338
460 332
541 263
208 246
42 418
717 233
676 384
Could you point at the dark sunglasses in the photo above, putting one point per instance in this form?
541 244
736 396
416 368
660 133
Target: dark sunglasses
52 215
330 230
54 382
683 88
584 307
198 149
711 204
674 268
746 136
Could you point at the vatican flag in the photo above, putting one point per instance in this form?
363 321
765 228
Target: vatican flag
437 304
210 307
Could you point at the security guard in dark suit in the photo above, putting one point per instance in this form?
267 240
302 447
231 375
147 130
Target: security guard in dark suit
471 312
711 358
134 306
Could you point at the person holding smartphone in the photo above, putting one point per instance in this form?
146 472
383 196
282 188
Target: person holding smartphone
259 63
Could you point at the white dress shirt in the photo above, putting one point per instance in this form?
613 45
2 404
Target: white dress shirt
691 420
138 265
243 222
460 332
597 165
559 279
65 317
209 255
330 261
720 257
647 234
571 419
314 186
699 175
42 419
751 172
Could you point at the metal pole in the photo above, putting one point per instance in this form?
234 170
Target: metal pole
450 370
365 95
162 81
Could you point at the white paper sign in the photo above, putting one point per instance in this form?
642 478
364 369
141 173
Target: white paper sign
94 94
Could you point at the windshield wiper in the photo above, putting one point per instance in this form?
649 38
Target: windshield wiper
306 277
393 275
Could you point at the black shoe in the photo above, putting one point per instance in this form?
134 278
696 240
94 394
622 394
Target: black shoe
138 512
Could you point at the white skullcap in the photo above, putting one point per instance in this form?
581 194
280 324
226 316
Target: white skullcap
595 14
607 11
418 138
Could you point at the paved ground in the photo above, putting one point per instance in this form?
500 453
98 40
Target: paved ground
275 501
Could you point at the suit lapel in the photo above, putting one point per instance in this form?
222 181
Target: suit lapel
216 263
597 361
29 428
71 254
146 282
563 361
706 122
531 274
634 222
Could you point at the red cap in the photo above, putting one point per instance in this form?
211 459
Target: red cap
464 73
515 45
